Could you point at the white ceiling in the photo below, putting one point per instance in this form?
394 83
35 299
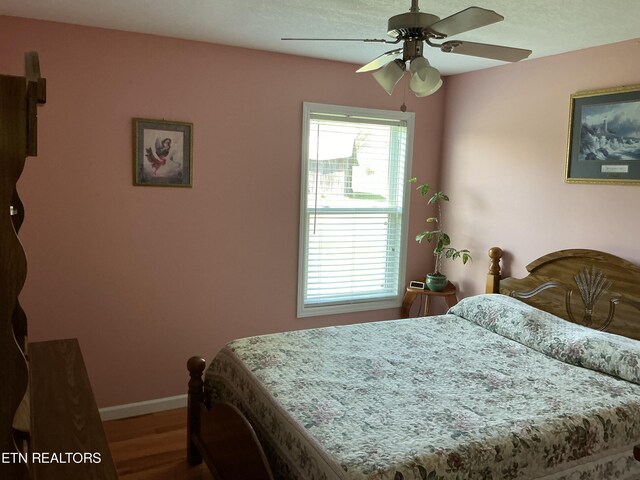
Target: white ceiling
547 27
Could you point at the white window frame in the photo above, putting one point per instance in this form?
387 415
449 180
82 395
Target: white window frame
359 305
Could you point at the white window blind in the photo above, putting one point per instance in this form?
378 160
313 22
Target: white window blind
353 211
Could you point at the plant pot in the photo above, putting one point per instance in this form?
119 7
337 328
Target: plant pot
436 283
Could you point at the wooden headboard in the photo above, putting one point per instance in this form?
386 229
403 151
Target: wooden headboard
587 287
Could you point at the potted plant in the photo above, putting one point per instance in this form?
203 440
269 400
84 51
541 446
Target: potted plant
436 281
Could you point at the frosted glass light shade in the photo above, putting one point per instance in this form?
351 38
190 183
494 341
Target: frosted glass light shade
426 93
425 80
389 75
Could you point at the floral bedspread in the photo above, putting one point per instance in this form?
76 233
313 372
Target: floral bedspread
493 390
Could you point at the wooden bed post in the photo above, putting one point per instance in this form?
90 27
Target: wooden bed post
493 277
196 366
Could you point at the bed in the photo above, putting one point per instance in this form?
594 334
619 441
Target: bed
539 378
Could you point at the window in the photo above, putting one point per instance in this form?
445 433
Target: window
353 225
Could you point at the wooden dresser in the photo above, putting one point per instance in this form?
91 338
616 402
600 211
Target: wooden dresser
50 427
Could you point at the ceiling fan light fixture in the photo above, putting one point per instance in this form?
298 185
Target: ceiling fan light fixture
412 30
425 79
389 75
426 93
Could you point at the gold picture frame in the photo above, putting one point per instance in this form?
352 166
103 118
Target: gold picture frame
162 153
604 137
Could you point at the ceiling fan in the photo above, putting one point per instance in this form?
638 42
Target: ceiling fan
416 28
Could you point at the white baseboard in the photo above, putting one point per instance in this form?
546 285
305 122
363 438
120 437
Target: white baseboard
142 408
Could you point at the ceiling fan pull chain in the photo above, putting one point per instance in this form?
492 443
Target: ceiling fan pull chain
403 107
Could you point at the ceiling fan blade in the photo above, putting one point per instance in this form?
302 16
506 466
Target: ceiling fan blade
369 40
465 20
485 50
380 61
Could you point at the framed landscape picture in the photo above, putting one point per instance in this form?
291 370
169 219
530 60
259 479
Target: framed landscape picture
162 153
604 137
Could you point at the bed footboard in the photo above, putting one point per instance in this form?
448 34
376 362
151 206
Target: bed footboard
221 435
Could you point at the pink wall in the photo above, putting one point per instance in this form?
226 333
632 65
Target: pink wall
146 277
503 164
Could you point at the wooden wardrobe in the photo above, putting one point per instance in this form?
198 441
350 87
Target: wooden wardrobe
50 427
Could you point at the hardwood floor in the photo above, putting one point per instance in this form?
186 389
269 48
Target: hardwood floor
153 447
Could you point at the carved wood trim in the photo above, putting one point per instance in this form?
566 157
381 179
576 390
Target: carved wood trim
538 289
19 97
13 367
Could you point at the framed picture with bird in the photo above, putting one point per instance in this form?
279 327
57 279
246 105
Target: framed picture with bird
162 153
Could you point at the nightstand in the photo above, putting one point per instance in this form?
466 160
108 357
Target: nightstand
449 294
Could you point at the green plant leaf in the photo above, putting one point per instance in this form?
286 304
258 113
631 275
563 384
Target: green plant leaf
445 238
432 219
413 180
465 258
437 197
420 236
424 189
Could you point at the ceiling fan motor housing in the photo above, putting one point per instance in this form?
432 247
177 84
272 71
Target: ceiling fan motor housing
411 25
412 49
